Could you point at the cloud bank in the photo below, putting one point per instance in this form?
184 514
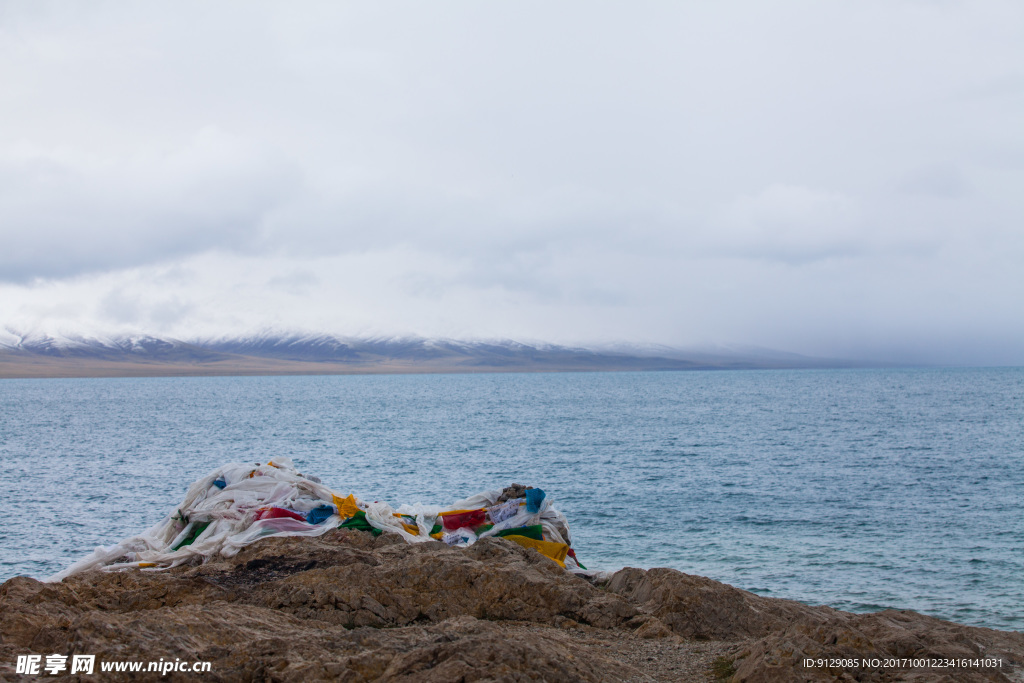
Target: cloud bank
818 177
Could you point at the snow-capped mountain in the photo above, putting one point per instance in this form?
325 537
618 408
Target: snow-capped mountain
101 347
274 352
322 347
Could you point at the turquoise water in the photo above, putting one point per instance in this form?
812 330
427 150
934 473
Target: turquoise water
861 489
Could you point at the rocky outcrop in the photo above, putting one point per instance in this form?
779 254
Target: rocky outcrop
699 608
347 606
927 648
777 636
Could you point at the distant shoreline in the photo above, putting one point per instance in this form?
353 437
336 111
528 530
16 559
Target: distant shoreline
43 356
171 358
71 368
278 369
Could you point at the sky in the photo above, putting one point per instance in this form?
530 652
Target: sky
830 178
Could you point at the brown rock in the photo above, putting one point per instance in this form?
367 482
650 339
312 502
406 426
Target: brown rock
790 632
349 607
512 492
697 607
653 627
925 645
313 609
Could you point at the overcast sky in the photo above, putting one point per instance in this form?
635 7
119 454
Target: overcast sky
831 178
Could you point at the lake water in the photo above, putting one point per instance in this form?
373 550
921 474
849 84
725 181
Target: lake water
860 489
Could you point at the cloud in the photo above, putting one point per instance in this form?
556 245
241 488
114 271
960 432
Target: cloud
790 223
121 308
65 213
820 178
936 180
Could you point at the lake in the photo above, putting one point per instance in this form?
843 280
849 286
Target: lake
860 489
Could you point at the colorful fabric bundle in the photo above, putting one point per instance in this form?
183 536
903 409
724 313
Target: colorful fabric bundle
238 504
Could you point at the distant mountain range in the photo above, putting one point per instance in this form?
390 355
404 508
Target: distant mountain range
45 355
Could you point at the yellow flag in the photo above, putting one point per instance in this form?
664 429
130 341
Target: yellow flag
550 549
347 507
